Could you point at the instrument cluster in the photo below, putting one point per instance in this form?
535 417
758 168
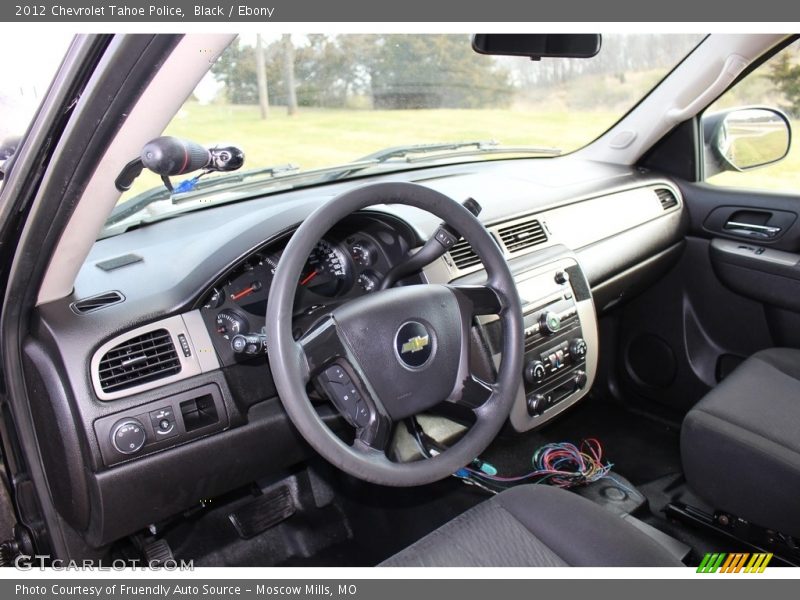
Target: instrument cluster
341 266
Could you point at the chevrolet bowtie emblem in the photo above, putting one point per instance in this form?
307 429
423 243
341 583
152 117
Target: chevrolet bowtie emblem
415 344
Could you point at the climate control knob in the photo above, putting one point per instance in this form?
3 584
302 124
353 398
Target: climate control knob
128 436
549 322
579 379
536 404
535 372
577 349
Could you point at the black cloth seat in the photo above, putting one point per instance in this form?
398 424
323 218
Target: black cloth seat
535 526
740 445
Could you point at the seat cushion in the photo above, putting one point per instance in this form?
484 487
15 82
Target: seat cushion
535 526
740 445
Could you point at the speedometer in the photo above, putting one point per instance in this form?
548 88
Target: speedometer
328 271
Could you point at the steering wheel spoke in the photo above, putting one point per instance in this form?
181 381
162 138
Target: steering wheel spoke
321 346
354 401
478 300
376 435
473 392
335 371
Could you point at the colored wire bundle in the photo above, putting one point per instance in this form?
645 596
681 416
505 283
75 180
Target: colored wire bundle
561 464
568 466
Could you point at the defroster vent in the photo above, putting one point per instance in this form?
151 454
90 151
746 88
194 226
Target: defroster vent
89 305
139 360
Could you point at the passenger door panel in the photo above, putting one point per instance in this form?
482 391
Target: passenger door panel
731 295
761 267
677 339
755 241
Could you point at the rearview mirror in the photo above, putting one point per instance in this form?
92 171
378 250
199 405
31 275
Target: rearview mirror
745 138
538 45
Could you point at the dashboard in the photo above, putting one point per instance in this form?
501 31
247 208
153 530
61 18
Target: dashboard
156 311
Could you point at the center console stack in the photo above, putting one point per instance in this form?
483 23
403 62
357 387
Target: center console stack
561 344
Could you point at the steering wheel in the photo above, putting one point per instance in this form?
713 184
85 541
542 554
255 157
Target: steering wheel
394 353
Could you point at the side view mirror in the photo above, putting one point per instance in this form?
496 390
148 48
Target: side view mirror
8 147
741 139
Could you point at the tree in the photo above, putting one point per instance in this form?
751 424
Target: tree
786 77
236 68
422 71
261 79
328 71
397 71
288 74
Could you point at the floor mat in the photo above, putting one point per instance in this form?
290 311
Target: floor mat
365 523
213 540
386 520
641 449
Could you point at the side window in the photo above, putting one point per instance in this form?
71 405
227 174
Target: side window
745 142
24 84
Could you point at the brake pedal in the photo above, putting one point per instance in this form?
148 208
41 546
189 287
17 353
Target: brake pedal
264 512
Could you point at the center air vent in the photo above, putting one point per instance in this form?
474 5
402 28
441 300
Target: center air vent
522 235
463 255
141 359
667 198
88 305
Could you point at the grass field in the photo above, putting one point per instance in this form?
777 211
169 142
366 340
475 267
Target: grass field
323 137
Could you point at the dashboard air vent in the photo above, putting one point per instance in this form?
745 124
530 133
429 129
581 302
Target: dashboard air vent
463 255
667 198
522 235
141 359
88 305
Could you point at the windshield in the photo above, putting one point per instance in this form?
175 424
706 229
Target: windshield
312 108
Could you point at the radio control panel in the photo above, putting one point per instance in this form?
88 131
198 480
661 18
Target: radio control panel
561 346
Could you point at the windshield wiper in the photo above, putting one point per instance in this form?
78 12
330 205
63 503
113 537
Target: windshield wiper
479 147
140 201
416 153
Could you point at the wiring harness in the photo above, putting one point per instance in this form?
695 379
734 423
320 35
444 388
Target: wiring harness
560 464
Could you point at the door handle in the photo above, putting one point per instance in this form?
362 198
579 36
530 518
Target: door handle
751 230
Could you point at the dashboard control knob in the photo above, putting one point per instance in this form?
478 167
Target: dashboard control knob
580 380
238 344
128 436
561 277
251 343
577 349
536 404
549 322
535 372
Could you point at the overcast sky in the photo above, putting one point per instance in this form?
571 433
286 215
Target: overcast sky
29 63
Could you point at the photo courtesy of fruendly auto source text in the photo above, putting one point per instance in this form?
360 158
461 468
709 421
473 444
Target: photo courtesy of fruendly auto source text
359 300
